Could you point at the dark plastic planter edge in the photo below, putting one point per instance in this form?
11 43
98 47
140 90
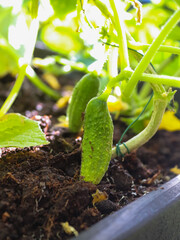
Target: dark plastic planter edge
155 216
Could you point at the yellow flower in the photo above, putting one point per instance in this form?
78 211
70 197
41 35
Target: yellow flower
116 104
170 122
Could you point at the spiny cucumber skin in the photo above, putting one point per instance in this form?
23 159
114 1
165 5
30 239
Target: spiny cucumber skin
84 90
97 141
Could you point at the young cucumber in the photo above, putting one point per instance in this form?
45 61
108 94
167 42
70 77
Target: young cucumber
97 141
84 90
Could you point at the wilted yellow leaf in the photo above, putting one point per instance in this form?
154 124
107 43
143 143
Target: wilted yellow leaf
170 122
69 229
62 102
51 80
175 170
99 196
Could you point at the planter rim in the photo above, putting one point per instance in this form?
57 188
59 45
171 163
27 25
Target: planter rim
124 223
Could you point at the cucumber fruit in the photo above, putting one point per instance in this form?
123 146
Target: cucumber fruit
97 141
85 89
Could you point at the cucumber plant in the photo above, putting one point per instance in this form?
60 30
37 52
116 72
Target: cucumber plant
97 149
119 56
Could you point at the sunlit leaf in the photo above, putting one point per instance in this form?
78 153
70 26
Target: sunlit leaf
9 60
63 7
62 39
19 131
6 19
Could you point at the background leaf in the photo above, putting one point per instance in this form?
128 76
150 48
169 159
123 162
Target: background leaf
63 7
62 39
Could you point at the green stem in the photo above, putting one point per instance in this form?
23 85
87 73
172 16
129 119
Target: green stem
162 48
145 90
112 64
150 53
34 8
74 65
144 136
158 88
104 10
161 79
33 31
124 75
32 76
14 92
120 28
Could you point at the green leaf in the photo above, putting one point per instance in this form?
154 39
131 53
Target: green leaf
62 39
9 60
175 33
6 19
34 8
12 46
63 7
19 131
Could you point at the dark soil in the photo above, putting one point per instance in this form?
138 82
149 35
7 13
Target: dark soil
40 187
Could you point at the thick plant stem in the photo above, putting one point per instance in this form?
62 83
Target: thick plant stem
150 53
33 31
160 104
162 48
156 82
120 28
161 79
14 92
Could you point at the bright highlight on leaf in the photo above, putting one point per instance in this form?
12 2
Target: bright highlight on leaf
170 122
19 131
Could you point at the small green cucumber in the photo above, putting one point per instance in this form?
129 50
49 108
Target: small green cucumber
85 89
97 141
